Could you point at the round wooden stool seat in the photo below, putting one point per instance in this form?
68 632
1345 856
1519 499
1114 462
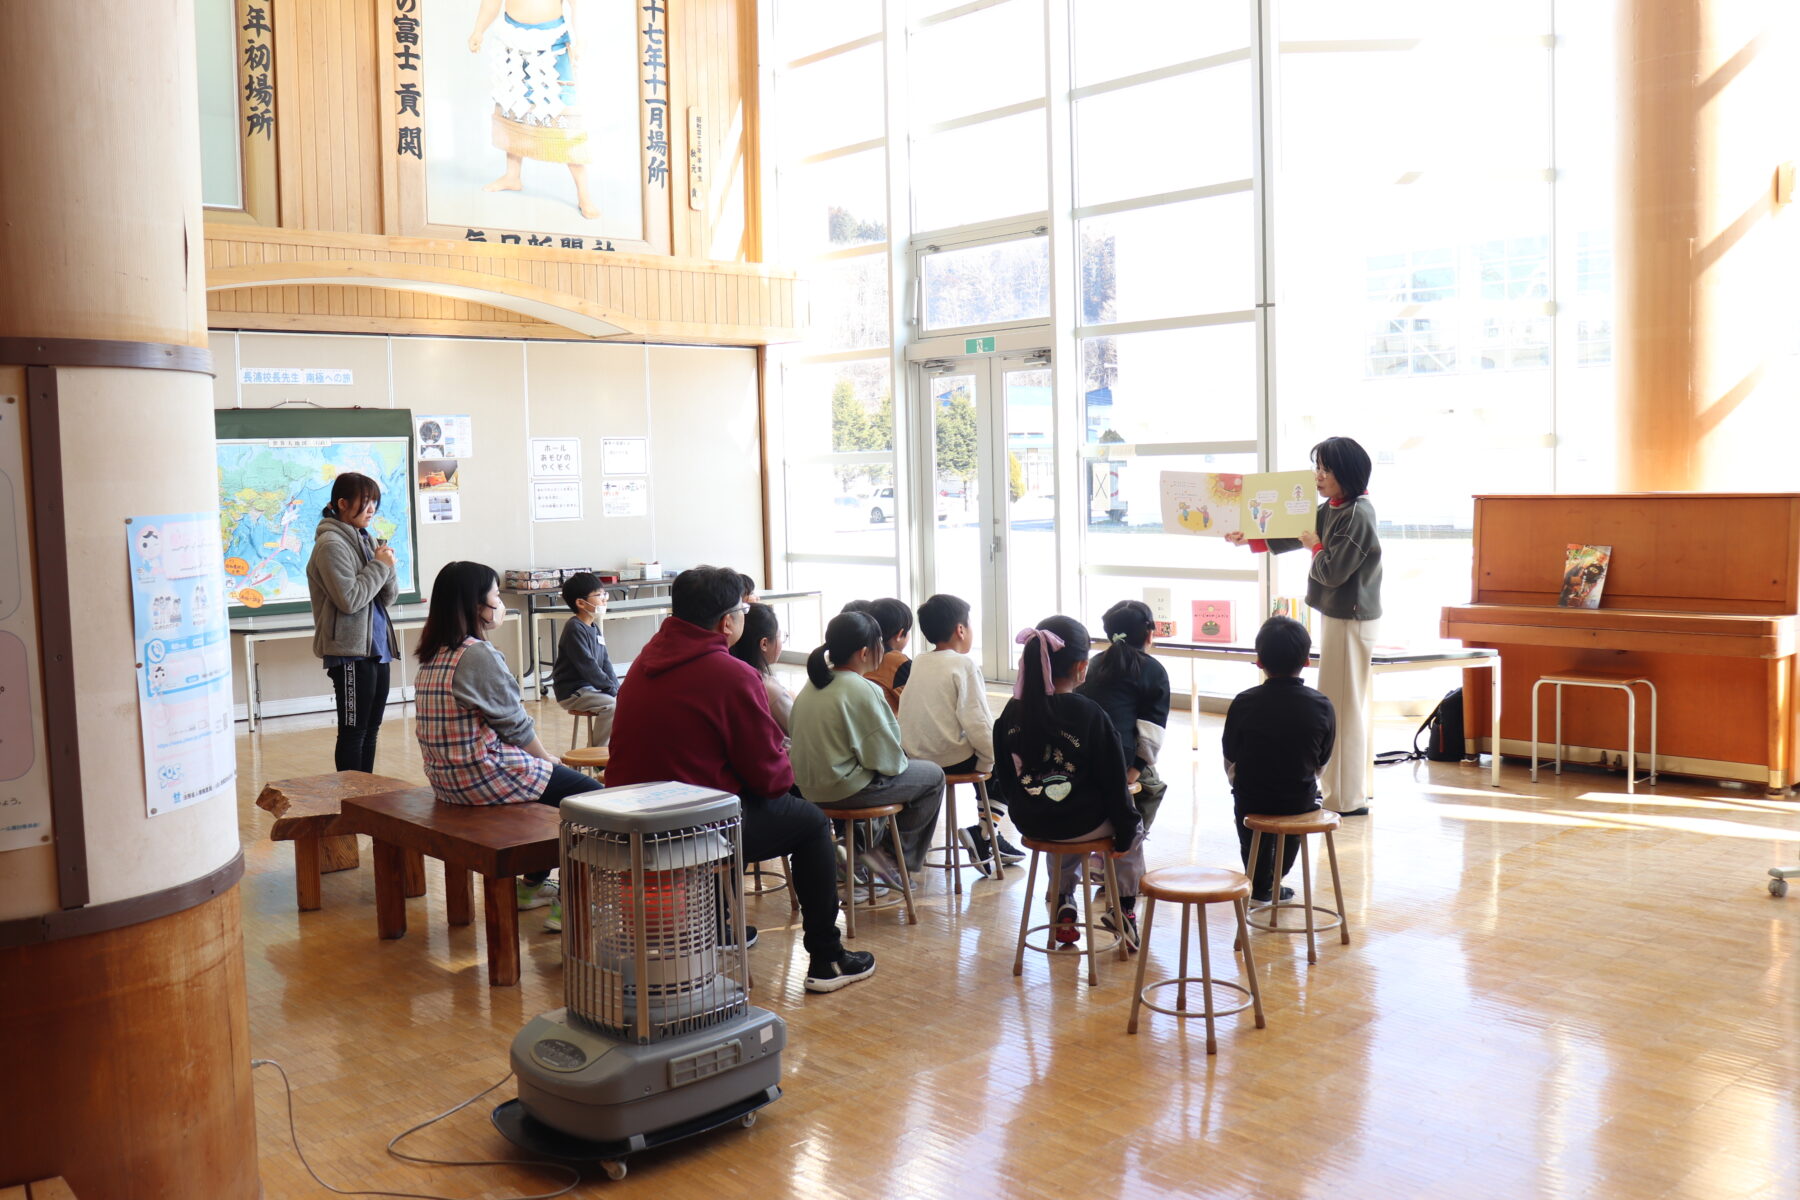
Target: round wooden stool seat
968 777
1094 846
1320 820
588 758
1196 885
864 814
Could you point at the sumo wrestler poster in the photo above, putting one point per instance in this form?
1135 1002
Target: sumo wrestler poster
533 119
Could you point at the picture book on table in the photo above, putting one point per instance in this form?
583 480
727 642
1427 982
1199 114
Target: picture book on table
1292 607
1271 504
1212 620
1584 575
1162 611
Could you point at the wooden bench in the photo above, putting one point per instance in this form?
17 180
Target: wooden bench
496 841
43 1189
306 811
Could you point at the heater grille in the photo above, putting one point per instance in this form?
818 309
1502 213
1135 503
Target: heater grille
643 915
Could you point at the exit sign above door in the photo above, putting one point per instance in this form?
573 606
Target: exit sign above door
978 345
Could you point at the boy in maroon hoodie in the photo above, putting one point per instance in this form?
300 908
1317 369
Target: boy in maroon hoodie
690 712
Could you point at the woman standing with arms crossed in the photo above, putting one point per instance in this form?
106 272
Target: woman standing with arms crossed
351 580
1344 585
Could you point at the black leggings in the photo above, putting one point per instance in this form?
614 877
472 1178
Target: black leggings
361 688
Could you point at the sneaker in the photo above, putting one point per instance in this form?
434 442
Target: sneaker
1261 899
553 923
536 895
828 975
1009 853
882 866
1124 924
1068 922
980 852
725 941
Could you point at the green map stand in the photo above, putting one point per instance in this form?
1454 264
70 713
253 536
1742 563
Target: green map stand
276 467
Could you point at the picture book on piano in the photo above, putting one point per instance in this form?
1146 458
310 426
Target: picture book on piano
1212 620
1584 575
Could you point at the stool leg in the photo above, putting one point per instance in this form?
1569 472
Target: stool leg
1312 951
912 917
308 891
1652 688
1117 904
1137 991
1337 889
1182 965
415 873
1206 988
1249 961
1025 916
1278 874
1559 741
459 896
991 827
1255 851
1087 915
952 843
847 831
787 865
1630 739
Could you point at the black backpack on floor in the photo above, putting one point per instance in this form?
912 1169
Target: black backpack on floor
1443 732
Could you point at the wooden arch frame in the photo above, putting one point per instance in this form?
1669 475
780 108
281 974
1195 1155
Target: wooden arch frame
540 303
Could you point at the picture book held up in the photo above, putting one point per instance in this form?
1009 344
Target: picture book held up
1584 575
1272 504
1162 611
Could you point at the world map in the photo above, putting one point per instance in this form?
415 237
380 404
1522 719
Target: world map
272 492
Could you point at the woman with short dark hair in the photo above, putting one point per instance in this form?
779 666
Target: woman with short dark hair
350 577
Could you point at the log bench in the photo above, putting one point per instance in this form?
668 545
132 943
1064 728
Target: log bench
496 841
306 811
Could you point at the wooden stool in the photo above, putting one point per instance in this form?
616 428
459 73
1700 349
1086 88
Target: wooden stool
1188 886
306 810
784 878
1618 683
1056 850
592 759
575 741
847 819
1320 820
952 849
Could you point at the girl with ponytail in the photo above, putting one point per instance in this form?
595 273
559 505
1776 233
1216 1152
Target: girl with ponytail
1133 688
1059 765
846 745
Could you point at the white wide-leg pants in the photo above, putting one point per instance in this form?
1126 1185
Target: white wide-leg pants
1345 676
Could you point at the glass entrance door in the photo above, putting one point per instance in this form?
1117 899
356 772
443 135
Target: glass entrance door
991 536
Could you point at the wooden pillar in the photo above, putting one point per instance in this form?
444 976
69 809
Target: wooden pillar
1705 255
123 1014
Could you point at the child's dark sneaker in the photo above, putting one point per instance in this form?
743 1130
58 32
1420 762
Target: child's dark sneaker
981 853
1009 853
1068 922
828 975
1262 898
1124 924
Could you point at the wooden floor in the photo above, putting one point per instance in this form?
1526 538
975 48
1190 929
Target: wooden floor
1553 991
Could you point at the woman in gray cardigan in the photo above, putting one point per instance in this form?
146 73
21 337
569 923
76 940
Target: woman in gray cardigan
352 582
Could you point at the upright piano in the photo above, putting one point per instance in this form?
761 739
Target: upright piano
1700 597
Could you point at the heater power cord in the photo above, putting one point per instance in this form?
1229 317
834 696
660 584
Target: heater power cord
294 1135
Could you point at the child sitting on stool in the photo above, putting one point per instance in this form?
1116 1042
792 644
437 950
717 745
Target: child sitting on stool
1058 763
583 677
1277 737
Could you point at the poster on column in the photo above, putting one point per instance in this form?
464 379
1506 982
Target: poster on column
183 659
24 780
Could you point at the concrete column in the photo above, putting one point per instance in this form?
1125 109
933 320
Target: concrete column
123 1014
1706 257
